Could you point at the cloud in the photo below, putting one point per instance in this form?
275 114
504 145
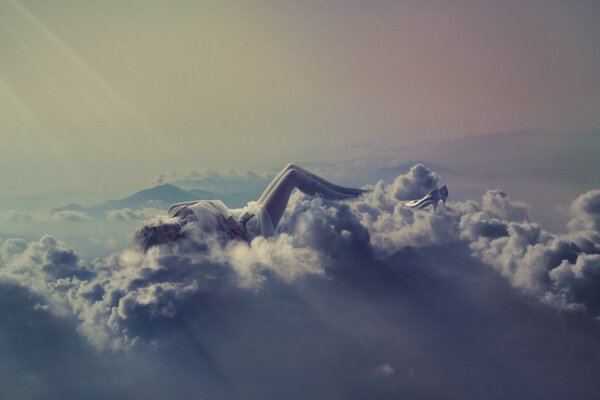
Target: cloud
280 256
68 215
346 293
43 216
585 211
577 283
416 183
118 297
317 238
413 185
556 268
498 204
210 173
384 370
15 216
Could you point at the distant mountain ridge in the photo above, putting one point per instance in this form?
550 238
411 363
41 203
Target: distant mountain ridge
235 191
161 196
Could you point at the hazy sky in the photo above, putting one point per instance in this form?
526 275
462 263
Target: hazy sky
97 94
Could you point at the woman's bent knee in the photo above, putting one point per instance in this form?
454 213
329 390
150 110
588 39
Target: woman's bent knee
291 166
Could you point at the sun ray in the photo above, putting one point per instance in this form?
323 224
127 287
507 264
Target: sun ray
40 137
84 107
115 98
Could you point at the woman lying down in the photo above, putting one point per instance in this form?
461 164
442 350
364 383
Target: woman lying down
258 218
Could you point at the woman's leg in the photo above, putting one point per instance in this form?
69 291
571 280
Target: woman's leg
274 182
323 182
277 198
332 186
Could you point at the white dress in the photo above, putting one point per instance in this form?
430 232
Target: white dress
213 217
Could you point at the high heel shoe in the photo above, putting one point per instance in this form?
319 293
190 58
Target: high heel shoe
443 194
432 198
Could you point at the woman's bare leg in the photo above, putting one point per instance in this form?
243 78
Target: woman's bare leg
325 183
274 182
333 186
276 199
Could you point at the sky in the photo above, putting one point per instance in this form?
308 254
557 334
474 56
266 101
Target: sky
109 94
493 295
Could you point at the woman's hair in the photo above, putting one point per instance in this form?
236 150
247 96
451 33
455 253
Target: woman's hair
158 230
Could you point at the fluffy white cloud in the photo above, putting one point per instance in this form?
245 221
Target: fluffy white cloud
497 204
585 211
534 260
358 298
497 230
412 185
68 215
117 298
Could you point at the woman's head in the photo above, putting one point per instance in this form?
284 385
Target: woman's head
158 230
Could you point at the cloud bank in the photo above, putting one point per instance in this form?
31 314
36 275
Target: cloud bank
559 269
43 216
366 283
210 173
